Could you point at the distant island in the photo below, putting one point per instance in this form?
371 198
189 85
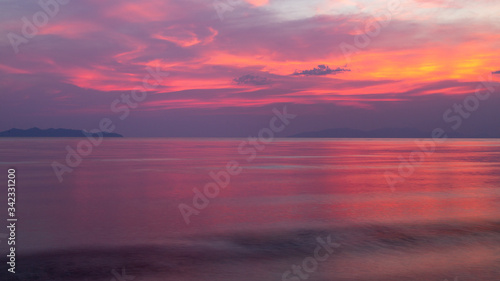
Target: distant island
382 133
52 133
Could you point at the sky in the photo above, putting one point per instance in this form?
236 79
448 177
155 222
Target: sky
333 63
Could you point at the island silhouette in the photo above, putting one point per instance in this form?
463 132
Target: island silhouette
53 133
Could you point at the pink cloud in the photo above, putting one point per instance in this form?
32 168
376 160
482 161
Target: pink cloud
258 3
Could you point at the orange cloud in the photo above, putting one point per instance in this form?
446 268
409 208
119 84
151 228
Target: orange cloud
70 29
258 3
151 10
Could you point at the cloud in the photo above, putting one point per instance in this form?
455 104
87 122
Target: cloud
258 2
93 51
321 70
252 80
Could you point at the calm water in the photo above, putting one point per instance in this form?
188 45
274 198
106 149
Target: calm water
119 210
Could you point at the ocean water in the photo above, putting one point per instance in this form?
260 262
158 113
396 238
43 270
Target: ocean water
317 209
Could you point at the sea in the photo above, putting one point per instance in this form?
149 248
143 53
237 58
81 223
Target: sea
147 209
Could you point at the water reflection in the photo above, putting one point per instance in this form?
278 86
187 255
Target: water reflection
127 192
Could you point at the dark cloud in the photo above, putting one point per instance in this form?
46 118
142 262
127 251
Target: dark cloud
252 80
321 70
496 72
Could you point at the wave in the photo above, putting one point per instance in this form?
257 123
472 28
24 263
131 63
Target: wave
202 252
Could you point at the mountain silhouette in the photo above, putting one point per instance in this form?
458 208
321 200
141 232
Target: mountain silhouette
51 133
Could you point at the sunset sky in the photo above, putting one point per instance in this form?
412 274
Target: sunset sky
231 62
